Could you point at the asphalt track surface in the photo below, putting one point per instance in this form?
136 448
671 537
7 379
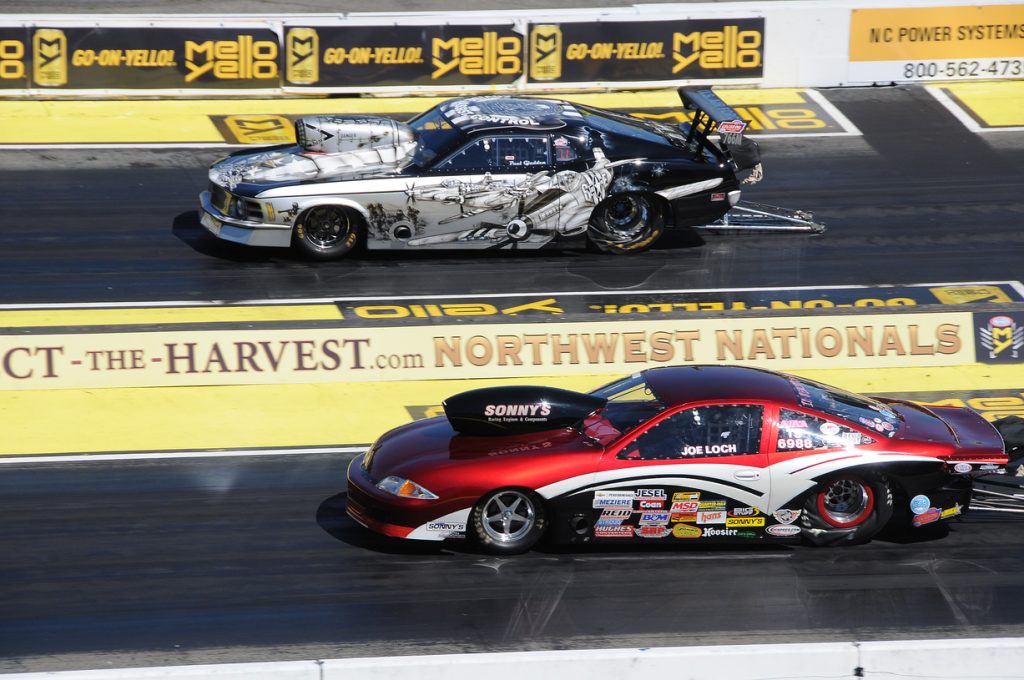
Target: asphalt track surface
251 558
916 199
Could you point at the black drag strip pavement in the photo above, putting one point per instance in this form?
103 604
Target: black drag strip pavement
252 558
917 199
132 563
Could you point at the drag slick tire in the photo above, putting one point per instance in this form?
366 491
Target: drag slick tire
327 232
626 223
507 521
847 509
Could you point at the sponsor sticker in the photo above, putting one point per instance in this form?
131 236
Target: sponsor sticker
651 505
651 494
952 512
711 517
962 468
684 517
654 518
613 499
927 517
652 531
711 505
450 529
783 530
685 496
744 522
786 516
686 531
613 532
684 506
829 429
713 532
919 504
744 512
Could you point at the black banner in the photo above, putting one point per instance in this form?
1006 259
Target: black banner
155 58
999 337
15 57
634 51
382 56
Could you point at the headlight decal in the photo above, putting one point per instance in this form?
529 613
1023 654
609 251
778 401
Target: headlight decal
404 488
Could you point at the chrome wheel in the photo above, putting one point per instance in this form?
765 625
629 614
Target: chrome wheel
326 232
625 223
508 516
846 502
325 226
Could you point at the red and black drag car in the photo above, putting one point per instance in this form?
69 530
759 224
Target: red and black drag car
676 454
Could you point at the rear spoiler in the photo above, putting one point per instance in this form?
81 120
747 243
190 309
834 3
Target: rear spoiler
711 114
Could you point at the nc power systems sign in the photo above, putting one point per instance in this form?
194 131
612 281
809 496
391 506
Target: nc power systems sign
640 51
936 43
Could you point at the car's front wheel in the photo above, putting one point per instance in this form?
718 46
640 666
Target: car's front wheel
508 521
327 232
847 509
626 223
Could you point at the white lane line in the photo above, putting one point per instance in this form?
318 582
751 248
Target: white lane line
1016 285
953 107
962 114
158 455
836 114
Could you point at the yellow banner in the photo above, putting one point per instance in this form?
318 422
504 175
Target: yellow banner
977 31
240 357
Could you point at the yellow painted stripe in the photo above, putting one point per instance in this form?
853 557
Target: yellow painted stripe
241 417
996 104
166 315
188 121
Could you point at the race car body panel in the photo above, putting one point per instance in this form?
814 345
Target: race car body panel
483 172
705 452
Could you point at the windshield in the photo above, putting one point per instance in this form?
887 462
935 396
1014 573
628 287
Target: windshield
632 388
631 401
853 408
435 135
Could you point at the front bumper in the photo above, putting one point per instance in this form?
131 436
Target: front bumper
242 231
389 515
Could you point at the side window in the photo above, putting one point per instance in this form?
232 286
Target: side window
802 432
500 153
701 432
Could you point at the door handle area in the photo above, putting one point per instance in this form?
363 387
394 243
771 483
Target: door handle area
747 475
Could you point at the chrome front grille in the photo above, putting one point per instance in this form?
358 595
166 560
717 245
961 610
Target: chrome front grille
232 206
220 198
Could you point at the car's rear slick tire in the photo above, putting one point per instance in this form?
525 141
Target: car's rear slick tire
327 232
508 521
626 223
846 509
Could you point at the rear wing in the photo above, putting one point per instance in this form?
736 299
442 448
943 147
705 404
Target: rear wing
711 115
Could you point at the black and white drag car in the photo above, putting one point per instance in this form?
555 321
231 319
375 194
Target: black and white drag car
492 172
